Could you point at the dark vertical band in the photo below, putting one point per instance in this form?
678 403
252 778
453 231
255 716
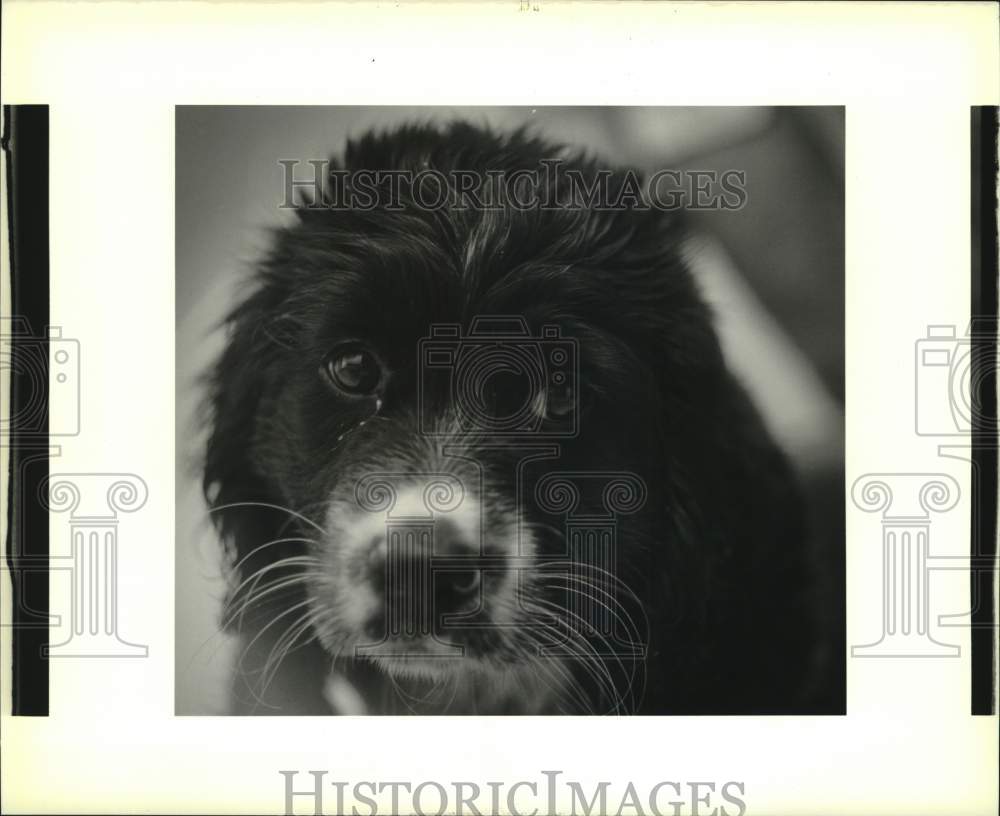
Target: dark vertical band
983 395
26 148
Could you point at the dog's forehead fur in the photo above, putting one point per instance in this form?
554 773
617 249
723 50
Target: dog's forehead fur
392 273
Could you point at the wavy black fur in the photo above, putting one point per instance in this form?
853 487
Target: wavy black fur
718 556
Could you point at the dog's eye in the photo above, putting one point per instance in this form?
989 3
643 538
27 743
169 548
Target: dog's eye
353 370
560 401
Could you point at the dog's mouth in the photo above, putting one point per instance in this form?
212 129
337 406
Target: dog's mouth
425 657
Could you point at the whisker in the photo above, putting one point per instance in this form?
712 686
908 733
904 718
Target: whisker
267 506
587 657
255 597
271 544
243 655
256 575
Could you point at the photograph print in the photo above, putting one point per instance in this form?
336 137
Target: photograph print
509 411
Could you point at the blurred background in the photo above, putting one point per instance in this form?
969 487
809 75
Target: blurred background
773 272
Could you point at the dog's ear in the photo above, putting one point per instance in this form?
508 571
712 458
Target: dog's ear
242 500
746 541
737 571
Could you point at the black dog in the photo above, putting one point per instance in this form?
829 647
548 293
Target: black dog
487 458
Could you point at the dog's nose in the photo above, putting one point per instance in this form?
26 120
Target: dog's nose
454 590
449 539
400 570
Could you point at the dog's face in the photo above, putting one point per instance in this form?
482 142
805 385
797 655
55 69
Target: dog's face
480 425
